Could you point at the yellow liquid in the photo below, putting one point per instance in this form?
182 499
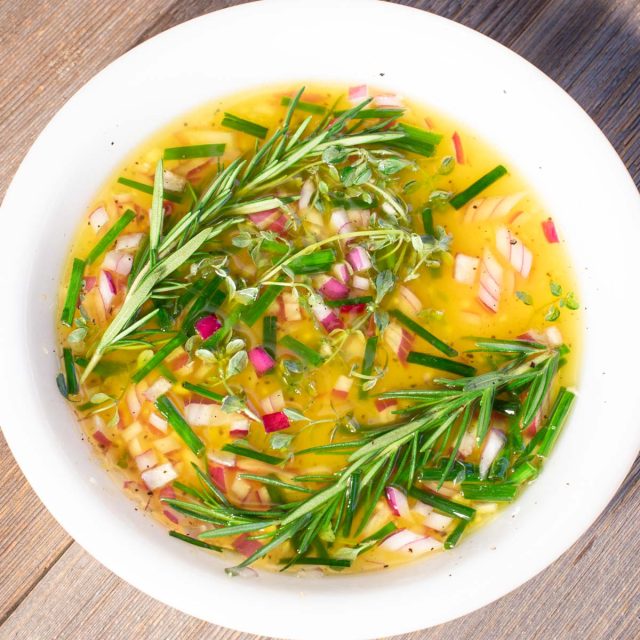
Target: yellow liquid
453 312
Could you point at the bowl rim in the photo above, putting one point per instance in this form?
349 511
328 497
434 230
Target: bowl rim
627 198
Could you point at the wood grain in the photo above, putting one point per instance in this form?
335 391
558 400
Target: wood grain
50 588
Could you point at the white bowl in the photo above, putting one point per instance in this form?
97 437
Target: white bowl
536 127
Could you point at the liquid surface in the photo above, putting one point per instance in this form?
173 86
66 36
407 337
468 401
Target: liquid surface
500 244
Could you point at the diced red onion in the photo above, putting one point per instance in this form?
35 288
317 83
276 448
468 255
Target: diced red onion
261 360
159 476
342 387
358 94
207 326
98 219
354 308
490 281
340 221
359 259
279 225
399 340
326 317
133 402
514 251
410 542
382 404
275 422
263 219
305 194
223 458
128 241
245 546
167 492
492 447
341 272
88 282
101 439
333 289
465 268
290 307
457 145
158 388
171 515
178 362
107 289
146 460
397 501
409 301
239 428
217 477
199 414
550 232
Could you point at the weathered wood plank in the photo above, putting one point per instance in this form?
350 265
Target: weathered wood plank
49 50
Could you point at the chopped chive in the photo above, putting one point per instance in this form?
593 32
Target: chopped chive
442 364
367 361
148 188
522 473
317 262
73 292
103 244
194 541
269 334
460 199
415 133
366 114
203 391
414 146
454 537
158 357
251 313
214 341
104 368
245 126
388 529
324 562
448 507
435 474
425 335
345 302
306 353
556 421
62 385
488 492
180 425
427 221
309 107
70 372
273 246
193 151
251 453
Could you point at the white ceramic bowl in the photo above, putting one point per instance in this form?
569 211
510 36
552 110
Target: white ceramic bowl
536 127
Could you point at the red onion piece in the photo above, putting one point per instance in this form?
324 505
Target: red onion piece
101 439
333 289
490 281
457 145
382 404
171 515
263 219
354 308
98 219
146 460
514 251
207 326
107 289
262 362
550 232
409 542
341 272
492 447
340 221
217 477
275 421
246 547
159 476
358 94
359 259
342 387
397 501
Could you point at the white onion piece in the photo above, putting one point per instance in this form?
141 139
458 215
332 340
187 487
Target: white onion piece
490 281
159 476
397 502
172 181
482 209
339 221
553 336
359 217
399 340
98 219
157 422
305 194
467 444
388 101
409 301
291 307
146 460
342 272
513 250
358 94
360 283
158 388
492 447
437 521
198 414
465 268
273 403
128 241
410 542
239 427
342 387
107 289
223 458
133 402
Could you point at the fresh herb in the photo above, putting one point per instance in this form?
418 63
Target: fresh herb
524 297
478 187
245 126
194 151
73 292
306 353
148 188
442 364
424 334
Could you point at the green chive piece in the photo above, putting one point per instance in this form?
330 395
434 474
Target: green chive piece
194 541
367 114
73 292
388 529
309 107
253 312
193 151
442 364
269 334
273 246
414 146
105 242
488 492
559 413
460 199
427 221
318 262
251 453
215 340
367 361
320 562
245 126
447 507
454 537
523 472
306 353
435 474
424 334
62 385
180 425
104 368
148 188
344 302
70 372
415 133
158 357
203 391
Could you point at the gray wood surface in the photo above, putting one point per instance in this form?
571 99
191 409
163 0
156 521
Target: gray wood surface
49 587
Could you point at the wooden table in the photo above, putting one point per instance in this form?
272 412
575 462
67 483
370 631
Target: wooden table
49 587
